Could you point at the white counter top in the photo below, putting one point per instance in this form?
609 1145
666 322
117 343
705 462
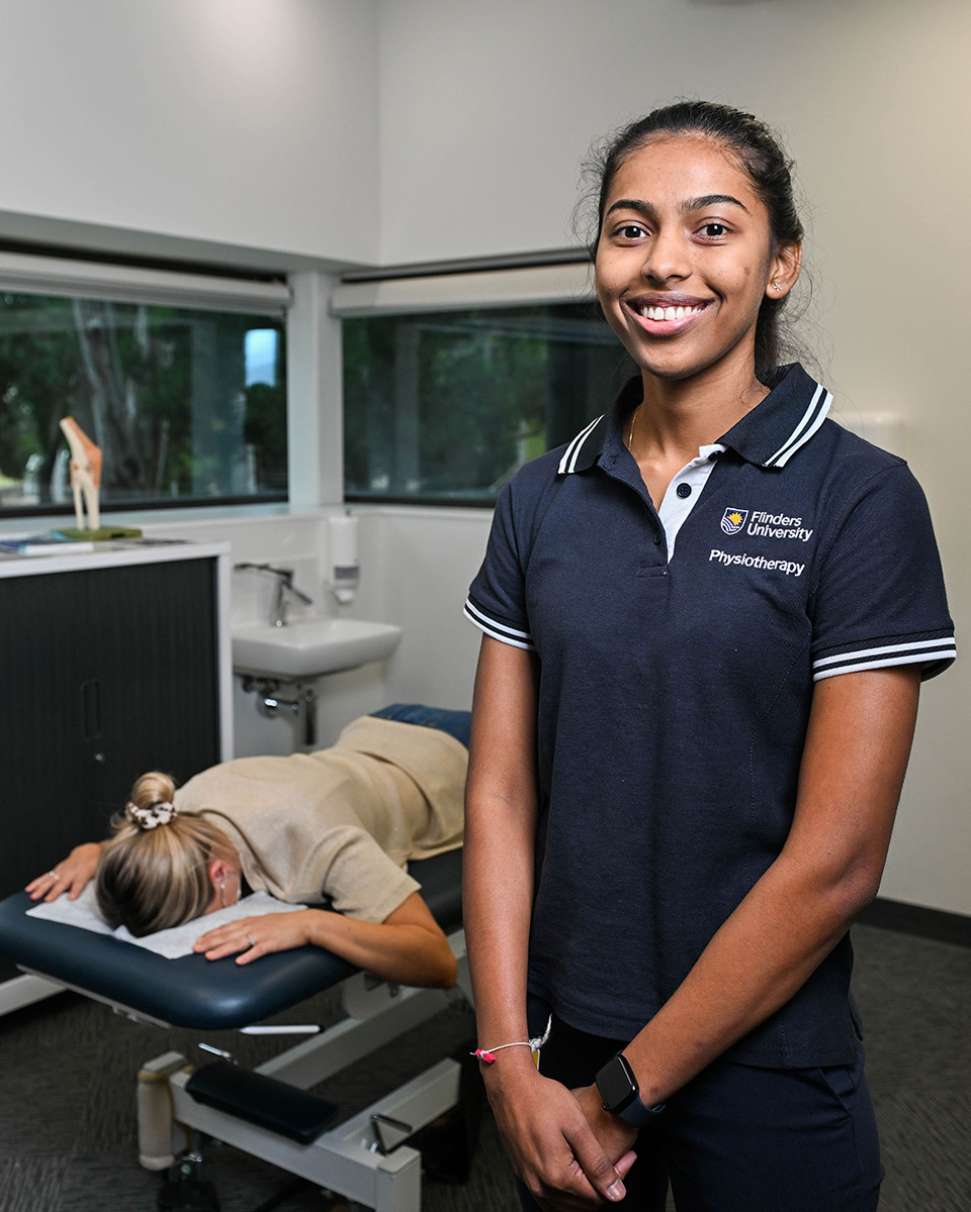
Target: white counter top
112 554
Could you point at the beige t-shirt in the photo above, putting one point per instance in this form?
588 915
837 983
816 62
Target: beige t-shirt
341 822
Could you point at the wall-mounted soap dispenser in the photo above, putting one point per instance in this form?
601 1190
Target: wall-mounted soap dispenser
344 568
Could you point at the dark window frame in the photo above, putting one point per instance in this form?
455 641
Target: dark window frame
64 508
602 383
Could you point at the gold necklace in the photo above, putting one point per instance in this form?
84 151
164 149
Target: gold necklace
630 436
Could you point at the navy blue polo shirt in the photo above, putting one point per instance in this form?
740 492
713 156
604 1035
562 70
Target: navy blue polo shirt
675 688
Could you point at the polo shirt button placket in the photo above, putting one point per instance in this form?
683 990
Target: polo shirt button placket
658 540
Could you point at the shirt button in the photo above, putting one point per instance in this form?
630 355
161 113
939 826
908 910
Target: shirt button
683 490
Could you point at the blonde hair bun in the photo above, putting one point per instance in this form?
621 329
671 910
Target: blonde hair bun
152 801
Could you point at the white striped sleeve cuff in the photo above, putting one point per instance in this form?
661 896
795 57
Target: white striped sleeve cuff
495 629
935 653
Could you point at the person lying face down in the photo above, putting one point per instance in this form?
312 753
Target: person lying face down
339 823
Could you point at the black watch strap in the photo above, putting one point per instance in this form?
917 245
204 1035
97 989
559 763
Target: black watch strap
620 1092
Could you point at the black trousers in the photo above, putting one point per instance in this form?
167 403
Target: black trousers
738 1138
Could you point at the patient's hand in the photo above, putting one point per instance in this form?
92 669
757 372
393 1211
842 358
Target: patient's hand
252 937
71 875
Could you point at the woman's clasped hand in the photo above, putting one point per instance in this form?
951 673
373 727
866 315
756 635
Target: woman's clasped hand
570 1153
250 937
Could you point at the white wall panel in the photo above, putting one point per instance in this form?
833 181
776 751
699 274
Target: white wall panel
247 124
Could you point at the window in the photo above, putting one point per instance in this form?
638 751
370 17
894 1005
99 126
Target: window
188 403
442 406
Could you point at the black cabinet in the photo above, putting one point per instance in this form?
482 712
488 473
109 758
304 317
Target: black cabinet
104 673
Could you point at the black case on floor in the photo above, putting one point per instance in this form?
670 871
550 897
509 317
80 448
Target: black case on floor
262 1100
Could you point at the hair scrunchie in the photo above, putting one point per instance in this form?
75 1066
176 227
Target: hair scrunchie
158 813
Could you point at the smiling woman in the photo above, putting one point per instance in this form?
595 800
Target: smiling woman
704 634
749 235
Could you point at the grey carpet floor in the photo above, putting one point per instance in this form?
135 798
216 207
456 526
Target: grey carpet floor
67 1066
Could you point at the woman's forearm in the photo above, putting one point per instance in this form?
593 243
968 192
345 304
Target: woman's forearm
853 765
761 955
499 846
402 954
497 894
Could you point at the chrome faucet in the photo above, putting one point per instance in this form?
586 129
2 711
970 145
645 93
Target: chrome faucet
284 587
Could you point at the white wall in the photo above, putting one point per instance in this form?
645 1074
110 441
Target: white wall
416 566
426 559
297 541
192 127
483 159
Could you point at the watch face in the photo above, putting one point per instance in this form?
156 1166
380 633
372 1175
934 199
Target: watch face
615 1085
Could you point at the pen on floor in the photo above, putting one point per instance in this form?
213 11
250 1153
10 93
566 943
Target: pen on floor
282 1029
216 1051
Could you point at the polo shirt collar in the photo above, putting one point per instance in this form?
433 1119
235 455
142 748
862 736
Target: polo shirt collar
768 435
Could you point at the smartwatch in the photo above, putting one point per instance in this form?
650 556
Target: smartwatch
621 1094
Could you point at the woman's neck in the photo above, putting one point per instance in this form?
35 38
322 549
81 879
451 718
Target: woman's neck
679 415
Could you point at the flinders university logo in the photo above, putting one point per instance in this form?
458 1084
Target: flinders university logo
733 520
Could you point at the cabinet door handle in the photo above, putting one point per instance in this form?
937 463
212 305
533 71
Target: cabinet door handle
91 708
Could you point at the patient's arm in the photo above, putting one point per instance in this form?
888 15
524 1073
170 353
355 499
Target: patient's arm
70 875
407 948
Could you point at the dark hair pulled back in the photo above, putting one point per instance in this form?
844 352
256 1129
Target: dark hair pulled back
765 162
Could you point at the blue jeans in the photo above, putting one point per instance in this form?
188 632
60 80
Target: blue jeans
455 723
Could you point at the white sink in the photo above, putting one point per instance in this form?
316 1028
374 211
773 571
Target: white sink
307 647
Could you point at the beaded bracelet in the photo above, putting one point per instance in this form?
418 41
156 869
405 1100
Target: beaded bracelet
487 1055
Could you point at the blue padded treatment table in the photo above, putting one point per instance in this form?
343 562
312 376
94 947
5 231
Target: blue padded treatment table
193 991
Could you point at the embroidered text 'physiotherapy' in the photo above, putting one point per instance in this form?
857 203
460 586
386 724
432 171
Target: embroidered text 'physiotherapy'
769 525
750 561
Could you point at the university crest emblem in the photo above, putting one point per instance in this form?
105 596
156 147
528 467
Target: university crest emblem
733 520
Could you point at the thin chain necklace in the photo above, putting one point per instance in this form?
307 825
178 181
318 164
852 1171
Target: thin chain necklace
630 436
633 419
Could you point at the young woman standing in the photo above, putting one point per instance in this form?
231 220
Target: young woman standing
706 618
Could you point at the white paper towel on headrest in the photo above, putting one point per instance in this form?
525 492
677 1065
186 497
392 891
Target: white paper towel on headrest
172 943
83 912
